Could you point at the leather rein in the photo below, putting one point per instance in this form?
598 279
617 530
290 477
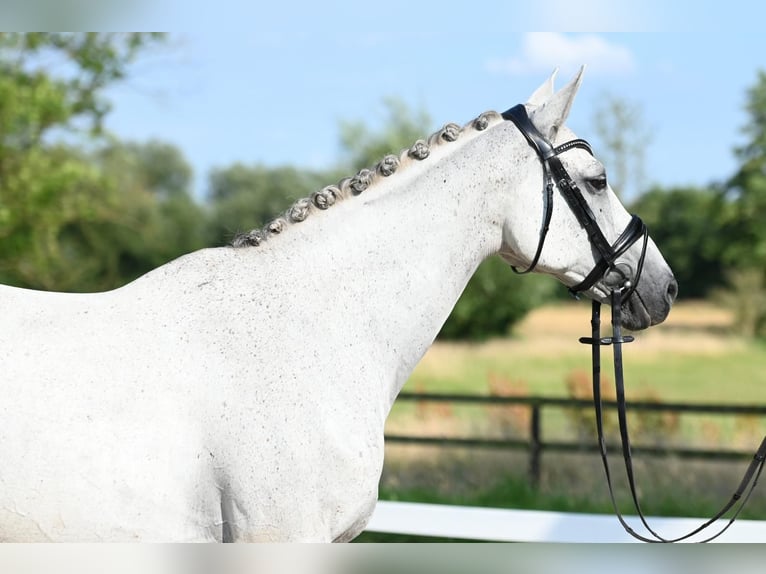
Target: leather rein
555 175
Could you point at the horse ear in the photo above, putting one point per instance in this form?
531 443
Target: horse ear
544 92
552 114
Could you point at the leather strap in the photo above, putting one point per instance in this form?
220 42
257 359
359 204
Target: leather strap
636 228
746 485
518 115
555 173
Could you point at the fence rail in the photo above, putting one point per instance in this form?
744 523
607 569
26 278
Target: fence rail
511 525
536 444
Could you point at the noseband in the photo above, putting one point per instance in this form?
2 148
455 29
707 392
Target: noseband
555 175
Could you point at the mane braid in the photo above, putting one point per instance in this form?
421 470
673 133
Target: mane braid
352 186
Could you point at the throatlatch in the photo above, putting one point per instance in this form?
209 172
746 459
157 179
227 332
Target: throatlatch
556 176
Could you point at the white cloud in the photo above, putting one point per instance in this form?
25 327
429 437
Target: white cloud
603 15
544 51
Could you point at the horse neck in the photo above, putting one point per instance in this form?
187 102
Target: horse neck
413 241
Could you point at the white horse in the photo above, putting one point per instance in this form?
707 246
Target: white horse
240 393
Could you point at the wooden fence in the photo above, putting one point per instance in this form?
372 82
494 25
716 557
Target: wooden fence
536 444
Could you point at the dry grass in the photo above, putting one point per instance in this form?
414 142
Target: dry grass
553 331
544 350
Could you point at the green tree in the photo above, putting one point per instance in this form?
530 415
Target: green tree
622 142
87 64
163 168
745 296
363 146
244 197
686 225
743 211
744 229
494 300
54 199
158 220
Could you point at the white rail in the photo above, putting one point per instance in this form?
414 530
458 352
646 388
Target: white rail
506 525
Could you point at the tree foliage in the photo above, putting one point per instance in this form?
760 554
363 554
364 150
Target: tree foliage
714 237
364 146
623 139
744 233
87 63
745 296
494 300
158 218
244 197
72 219
685 224
742 213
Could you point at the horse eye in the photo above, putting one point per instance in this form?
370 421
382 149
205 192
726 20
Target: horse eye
598 183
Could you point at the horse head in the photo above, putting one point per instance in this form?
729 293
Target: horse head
587 238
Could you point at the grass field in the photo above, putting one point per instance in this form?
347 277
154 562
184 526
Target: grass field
692 357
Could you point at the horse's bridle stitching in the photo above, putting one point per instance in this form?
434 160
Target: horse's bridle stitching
554 171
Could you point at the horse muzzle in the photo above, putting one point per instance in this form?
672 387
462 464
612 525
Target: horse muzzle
649 303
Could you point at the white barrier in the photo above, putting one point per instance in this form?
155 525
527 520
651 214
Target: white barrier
507 525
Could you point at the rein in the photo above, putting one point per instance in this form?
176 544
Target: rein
554 174
752 473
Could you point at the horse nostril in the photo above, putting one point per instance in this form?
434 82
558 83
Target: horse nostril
672 290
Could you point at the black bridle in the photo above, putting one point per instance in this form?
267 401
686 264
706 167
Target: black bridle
555 175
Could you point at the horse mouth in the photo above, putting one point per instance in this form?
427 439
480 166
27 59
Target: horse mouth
635 315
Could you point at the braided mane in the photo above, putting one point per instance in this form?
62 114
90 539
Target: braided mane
353 186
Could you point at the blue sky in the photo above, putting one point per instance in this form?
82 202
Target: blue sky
269 84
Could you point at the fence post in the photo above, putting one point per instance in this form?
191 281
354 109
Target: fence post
535 445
